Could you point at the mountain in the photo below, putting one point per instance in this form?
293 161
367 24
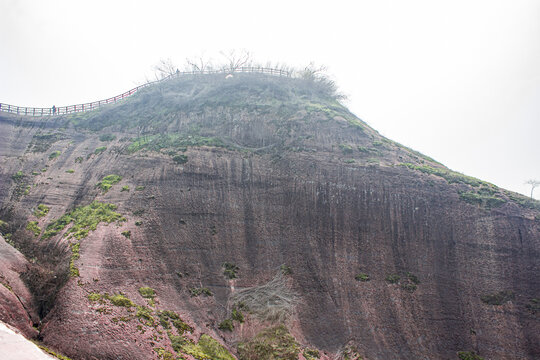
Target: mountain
254 216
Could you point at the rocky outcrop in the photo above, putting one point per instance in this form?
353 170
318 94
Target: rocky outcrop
390 254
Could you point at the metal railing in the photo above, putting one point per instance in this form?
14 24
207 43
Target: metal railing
63 110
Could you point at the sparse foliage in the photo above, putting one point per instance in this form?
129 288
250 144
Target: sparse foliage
534 183
164 68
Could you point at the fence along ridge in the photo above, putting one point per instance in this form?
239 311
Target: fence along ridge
63 110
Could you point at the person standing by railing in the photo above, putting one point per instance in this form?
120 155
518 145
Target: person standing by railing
54 110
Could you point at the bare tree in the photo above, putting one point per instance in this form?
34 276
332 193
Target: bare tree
199 63
236 59
164 68
533 183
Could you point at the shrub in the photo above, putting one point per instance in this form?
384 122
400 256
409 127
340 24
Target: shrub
138 223
139 188
534 306
108 181
226 325
409 287
393 278
362 277
498 298
285 270
95 297
125 188
311 354
147 292
180 159
230 270
100 150
107 137
200 291
41 210
34 228
18 176
213 349
70 171
127 234
413 278
54 155
79 159
237 315
349 161
346 148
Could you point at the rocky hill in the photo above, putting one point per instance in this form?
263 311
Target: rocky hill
255 217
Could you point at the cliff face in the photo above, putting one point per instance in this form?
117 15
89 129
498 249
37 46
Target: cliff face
225 183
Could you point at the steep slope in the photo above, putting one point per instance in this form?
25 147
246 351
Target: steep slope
167 216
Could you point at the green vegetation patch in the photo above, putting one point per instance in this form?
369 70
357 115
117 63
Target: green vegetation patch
41 210
230 270
34 228
311 354
70 171
144 315
482 200
285 269
346 148
54 155
167 317
200 291
270 344
393 278
42 142
75 255
119 300
100 150
18 176
498 298
349 161
448 175
362 277
50 352
178 142
108 181
147 292
180 159
533 306
125 188
84 219
469 355
127 234
107 137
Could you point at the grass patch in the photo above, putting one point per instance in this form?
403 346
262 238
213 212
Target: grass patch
79 159
167 317
83 219
33 227
18 176
41 211
144 315
270 344
448 175
349 161
362 277
50 352
482 200
108 181
498 298
178 142
139 188
285 269
469 355
119 300
70 171
125 188
54 155
75 255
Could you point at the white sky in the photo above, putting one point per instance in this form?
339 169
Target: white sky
457 80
